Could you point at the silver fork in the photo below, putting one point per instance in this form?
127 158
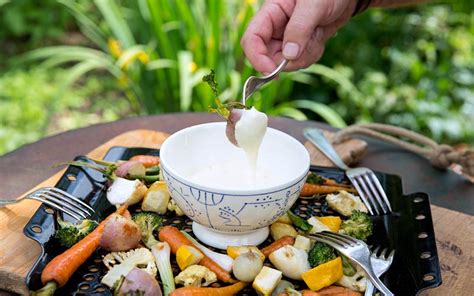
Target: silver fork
354 249
253 83
364 180
380 264
57 199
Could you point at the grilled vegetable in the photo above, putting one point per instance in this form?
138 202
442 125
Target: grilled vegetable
176 239
59 270
147 160
323 275
148 223
286 240
123 191
156 198
358 226
284 219
332 222
356 282
69 233
120 234
130 168
161 253
225 262
279 230
320 253
196 276
247 266
223 291
281 288
121 263
234 252
303 243
299 222
267 280
345 203
187 256
317 226
291 261
139 282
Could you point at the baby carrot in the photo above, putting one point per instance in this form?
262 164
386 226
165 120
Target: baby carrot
63 266
147 160
176 239
281 242
337 291
197 291
311 189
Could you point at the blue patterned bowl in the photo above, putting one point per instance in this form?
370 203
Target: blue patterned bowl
237 213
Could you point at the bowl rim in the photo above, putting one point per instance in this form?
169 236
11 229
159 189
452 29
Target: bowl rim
233 191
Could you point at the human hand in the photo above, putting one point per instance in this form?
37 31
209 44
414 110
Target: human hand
293 29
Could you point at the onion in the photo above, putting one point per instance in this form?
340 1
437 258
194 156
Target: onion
234 116
120 234
140 280
247 266
129 168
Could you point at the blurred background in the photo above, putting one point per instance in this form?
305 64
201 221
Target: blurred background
67 64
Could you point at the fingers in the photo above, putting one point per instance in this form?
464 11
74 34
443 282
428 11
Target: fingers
307 15
263 35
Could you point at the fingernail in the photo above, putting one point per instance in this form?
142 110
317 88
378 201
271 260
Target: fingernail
291 50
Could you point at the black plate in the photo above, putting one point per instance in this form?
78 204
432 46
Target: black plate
408 230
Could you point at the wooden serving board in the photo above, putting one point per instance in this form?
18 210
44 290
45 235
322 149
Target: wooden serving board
454 230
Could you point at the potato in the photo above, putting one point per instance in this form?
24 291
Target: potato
279 230
139 280
285 219
120 234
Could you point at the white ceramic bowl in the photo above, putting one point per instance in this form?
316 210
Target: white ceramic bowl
233 214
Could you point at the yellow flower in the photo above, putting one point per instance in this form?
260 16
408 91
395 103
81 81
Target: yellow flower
114 47
192 67
250 2
123 80
143 57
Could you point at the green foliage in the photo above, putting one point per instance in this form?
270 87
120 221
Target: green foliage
31 107
410 67
160 50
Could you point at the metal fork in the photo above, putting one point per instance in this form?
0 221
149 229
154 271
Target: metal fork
57 199
380 264
354 249
364 180
253 83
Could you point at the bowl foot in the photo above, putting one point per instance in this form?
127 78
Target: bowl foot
221 240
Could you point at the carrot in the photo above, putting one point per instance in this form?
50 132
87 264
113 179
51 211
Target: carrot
63 266
281 242
337 291
197 291
176 239
331 182
311 189
309 293
147 160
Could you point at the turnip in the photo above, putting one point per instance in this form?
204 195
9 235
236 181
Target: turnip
120 234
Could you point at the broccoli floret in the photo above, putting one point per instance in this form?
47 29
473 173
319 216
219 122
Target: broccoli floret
314 179
69 233
358 226
320 253
148 222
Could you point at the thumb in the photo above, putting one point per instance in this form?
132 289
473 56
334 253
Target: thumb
306 16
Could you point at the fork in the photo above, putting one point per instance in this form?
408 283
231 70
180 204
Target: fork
57 199
363 179
380 264
354 249
253 83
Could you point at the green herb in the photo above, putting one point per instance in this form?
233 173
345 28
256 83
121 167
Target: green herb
221 109
358 225
300 222
315 179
